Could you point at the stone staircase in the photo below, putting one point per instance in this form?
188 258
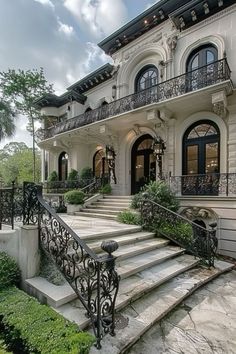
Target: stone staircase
107 207
155 277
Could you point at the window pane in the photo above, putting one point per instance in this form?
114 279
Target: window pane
192 159
195 62
209 57
202 130
211 158
139 176
145 144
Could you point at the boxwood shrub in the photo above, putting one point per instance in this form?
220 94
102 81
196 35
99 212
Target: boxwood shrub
75 196
9 271
30 327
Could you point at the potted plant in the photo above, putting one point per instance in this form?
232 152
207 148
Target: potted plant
74 200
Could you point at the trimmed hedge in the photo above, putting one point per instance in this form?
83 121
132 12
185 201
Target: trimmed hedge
30 327
76 196
9 271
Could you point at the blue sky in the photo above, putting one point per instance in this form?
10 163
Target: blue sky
60 36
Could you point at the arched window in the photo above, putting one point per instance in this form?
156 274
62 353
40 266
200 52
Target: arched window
201 148
146 78
201 68
143 163
63 166
201 56
100 167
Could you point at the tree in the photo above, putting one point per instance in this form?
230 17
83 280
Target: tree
22 88
16 163
7 125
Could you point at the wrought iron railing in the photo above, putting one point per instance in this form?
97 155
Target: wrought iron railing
92 277
211 184
204 76
194 238
11 205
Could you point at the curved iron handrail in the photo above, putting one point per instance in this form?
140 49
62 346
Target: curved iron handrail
193 237
92 277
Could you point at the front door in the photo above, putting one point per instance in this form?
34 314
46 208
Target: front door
143 163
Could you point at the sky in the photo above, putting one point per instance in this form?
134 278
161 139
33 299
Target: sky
60 36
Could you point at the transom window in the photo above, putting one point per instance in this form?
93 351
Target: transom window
146 78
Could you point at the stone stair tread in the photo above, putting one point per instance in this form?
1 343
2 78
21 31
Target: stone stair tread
133 287
56 295
146 311
96 215
132 238
133 247
124 231
115 208
117 197
138 263
100 211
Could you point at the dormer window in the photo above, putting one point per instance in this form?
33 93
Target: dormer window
146 78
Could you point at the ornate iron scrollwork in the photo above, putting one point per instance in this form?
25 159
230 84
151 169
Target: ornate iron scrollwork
93 278
210 74
196 239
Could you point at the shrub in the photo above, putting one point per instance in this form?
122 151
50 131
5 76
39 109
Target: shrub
73 175
86 174
9 271
74 197
106 189
129 217
33 328
159 192
180 231
53 176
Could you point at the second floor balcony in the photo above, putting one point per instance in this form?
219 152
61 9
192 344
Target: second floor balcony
212 74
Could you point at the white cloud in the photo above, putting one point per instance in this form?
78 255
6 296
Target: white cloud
46 2
99 17
65 29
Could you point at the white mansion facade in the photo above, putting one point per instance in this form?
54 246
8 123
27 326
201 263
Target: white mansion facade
172 81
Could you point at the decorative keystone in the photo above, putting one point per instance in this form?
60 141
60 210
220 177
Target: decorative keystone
109 246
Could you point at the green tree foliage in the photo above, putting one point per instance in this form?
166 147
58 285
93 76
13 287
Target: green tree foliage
23 88
16 163
7 125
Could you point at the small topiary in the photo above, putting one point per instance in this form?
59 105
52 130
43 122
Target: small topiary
106 189
53 176
9 271
75 196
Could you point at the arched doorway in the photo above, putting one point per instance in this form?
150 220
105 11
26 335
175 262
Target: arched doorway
63 166
100 167
143 163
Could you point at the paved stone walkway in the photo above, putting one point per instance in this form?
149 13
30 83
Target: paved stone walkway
204 324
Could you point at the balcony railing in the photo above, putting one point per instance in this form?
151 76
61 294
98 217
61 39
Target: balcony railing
212 184
204 76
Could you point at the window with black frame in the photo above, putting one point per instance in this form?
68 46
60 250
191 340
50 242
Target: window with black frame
202 67
201 159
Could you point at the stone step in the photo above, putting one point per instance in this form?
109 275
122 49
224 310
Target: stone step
128 249
133 265
113 200
112 204
133 287
146 311
107 207
125 197
95 215
100 211
52 295
125 230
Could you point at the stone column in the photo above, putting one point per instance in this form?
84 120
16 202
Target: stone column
29 257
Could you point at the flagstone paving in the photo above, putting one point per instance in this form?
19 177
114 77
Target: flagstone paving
205 323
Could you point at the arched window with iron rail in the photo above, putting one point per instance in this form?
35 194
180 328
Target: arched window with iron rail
147 77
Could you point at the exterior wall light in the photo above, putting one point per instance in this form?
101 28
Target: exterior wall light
158 147
111 156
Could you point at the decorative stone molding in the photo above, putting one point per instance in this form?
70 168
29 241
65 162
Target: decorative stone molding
199 213
219 103
172 43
